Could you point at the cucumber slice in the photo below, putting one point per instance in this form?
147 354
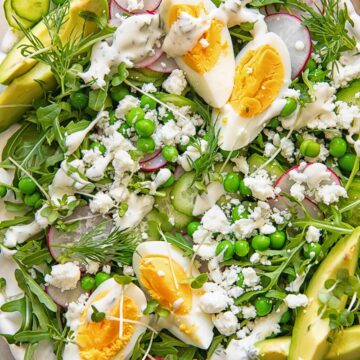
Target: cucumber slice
348 94
32 10
274 168
155 219
13 19
166 209
184 194
227 169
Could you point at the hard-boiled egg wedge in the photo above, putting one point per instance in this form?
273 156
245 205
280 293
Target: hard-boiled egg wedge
209 65
262 75
164 273
114 337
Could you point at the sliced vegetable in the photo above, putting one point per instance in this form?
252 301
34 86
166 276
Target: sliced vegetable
255 161
149 157
296 37
155 219
149 6
311 332
149 60
352 215
348 94
154 164
115 10
13 19
64 298
163 64
32 10
184 194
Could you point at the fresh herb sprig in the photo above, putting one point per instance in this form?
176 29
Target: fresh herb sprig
99 245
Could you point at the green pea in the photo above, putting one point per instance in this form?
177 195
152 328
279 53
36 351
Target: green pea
79 100
168 182
285 317
117 93
101 148
289 107
260 242
33 199
232 182
3 191
310 148
192 227
311 65
112 117
263 306
347 162
274 123
145 127
240 280
242 248
244 190
225 247
124 130
338 147
147 102
170 153
87 283
277 240
168 116
26 185
100 277
312 250
134 115
145 145
235 215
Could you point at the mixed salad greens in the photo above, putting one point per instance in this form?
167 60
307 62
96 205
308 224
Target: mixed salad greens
142 219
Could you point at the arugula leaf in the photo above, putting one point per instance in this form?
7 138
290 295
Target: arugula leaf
47 115
180 242
217 340
121 75
17 221
32 336
97 99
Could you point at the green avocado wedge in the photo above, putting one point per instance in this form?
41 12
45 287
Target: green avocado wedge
310 333
15 64
16 98
346 346
348 94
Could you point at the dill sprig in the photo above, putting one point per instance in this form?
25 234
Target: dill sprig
204 164
61 54
328 30
100 246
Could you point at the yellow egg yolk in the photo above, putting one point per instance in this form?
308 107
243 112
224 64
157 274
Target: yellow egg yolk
101 340
201 59
259 77
166 282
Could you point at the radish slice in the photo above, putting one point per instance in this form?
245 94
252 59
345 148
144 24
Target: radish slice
87 220
64 298
285 183
296 37
283 203
149 60
149 6
154 164
115 10
149 157
178 172
164 64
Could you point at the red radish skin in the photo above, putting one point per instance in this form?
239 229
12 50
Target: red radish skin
64 298
295 36
154 164
149 157
150 6
164 64
149 60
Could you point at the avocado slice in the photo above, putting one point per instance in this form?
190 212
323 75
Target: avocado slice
23 91
310 332
348 94
346 346
15 64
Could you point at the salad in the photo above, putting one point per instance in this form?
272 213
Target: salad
179 179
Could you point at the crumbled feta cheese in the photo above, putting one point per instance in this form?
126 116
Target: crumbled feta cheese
250 277
287 149
298 191
128 270
101 203
241 165
175 83
294 301
330 194
107 269
255 258
226 323
214 302
125 105
248 312
149 88
269 150
215 220
313 234
133 5
208 198
74 312
260 185
64 276
91 267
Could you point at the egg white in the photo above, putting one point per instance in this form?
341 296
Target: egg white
106 304
196 318
237 131
216 85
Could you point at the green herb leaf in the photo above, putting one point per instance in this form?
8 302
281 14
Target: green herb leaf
180 242
199 281
152 305
124 279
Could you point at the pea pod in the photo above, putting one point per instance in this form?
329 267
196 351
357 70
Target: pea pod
310 334
346 346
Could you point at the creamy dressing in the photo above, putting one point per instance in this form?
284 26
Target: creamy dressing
161 178
20 233
208 198
133 40
185 33
98 167
74 140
